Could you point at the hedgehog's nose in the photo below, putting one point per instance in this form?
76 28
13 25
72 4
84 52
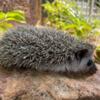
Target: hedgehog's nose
90 62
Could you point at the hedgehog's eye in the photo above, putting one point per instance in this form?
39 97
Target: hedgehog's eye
81 54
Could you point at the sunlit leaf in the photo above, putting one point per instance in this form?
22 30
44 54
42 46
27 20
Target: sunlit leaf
6 18
2 15
4 26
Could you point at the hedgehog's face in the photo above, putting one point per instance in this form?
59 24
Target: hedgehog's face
82 62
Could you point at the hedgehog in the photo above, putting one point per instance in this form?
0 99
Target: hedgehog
45 49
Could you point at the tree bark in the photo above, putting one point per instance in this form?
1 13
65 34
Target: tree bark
35 12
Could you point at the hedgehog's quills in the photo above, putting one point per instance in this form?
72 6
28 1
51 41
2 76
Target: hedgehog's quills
45 49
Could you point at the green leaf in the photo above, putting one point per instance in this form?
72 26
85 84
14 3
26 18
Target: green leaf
15 15
4 26
5 18
2 15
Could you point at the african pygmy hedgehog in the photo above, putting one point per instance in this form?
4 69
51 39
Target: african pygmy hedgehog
45 49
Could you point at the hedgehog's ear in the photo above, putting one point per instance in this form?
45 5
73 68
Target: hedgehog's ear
81 54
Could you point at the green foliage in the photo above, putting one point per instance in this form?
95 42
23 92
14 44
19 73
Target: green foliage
8 17
96 23
97 57
66 15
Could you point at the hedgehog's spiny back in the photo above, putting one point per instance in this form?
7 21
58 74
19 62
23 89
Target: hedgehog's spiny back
27 46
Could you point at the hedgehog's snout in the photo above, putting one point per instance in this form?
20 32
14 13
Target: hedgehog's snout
92 67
